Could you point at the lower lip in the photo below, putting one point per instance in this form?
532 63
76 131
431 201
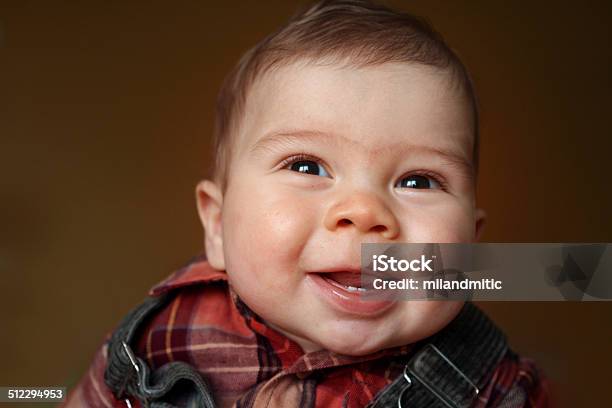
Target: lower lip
345 301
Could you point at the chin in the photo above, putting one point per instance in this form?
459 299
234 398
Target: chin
351 348
361 338
352 342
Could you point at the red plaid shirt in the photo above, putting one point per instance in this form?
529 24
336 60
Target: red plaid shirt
248 364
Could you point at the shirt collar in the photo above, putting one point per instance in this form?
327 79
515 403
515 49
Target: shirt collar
197 271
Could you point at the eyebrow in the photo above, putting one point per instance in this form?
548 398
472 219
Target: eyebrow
279 139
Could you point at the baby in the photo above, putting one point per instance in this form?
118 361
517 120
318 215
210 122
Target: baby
351 124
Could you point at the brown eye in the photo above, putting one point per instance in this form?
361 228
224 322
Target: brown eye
418 181
308 167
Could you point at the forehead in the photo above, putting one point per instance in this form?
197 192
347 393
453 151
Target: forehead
370 109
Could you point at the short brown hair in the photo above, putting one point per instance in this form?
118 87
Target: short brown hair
356 32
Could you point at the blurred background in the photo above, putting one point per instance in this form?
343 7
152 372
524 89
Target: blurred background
106 113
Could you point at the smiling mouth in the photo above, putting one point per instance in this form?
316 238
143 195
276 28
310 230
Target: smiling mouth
349 292
349 281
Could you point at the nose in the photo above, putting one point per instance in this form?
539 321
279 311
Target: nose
364 211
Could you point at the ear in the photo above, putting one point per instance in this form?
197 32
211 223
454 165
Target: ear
480 220
209 200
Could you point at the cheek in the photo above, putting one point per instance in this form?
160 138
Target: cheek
264 230
445 222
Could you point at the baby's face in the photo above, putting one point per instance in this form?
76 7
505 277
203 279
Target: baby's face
327 158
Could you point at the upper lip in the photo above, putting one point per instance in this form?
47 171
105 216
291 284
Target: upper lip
343 268
351 269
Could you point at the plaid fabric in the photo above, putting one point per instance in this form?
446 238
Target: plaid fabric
248 364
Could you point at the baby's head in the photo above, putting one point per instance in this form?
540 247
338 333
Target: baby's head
351 124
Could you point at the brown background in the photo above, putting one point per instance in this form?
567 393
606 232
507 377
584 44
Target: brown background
105 122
